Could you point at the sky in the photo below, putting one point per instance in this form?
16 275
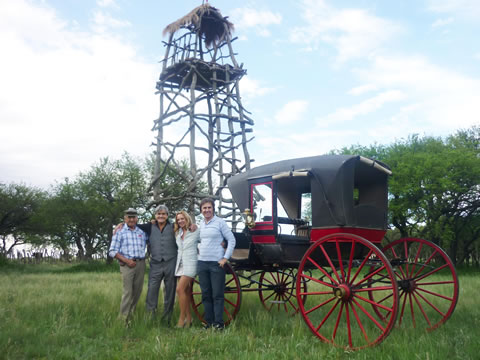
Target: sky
77 77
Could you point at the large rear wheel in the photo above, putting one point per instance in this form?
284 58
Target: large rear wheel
427 280
348 278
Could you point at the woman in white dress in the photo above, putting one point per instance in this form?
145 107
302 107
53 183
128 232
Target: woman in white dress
186 268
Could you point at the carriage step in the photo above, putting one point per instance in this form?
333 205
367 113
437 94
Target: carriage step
277 302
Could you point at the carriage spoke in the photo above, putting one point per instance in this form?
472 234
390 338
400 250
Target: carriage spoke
269 296
421 308
361 266
429 303
437 283
359 322
294 306
432 272
229 281
330 263
395 256
228 301
376 304
350 261
319 281
320 305
404 295
369 315
369 276
328 314
339 316
425 264
229 316
435 294
406 257
416 258
265 279
316 293
411 308
349 328
340 261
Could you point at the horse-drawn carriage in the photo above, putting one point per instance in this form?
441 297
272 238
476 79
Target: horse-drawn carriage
312 245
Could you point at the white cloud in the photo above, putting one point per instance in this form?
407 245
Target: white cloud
289 145
245 18
67 97
442 22
446 100
291 112
477 55
353 33
104 21
362 89
252 88
107 3
464 8
365 107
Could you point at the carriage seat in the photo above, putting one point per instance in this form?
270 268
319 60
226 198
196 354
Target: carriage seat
240 254
242 246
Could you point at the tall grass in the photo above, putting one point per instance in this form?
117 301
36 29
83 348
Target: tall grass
69 312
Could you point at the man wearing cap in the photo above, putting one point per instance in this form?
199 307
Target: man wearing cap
128 247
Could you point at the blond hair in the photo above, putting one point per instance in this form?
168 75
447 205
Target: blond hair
187 217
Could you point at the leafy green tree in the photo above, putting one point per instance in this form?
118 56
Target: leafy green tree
434 192
18 204
82 212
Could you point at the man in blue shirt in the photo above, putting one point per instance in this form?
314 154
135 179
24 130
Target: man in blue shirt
128 247
212 258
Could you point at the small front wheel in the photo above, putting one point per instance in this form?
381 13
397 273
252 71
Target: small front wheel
277 291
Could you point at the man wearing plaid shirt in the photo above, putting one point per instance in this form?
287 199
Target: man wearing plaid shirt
128 247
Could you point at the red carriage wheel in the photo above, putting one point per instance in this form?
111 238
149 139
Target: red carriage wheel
233 296
277 291
427 281
347 276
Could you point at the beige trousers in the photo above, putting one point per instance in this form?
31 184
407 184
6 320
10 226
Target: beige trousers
132 287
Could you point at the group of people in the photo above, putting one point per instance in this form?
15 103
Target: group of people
178 252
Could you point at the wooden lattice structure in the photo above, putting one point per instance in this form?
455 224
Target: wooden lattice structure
201 114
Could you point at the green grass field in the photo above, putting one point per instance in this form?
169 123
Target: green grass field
70 312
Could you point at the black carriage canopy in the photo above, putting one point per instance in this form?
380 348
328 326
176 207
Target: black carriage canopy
346 190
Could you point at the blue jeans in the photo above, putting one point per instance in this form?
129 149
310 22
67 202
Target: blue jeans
212 283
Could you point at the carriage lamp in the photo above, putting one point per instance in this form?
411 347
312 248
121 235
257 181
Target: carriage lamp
248 218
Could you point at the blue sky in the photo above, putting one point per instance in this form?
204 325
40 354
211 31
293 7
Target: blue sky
78 76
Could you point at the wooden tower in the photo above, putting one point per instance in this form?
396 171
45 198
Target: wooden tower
202 118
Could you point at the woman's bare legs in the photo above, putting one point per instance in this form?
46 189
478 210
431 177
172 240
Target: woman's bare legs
184 291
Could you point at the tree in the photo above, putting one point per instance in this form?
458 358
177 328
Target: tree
18 204
434 192
83 212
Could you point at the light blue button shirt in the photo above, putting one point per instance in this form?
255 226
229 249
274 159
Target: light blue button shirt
129 243
212 234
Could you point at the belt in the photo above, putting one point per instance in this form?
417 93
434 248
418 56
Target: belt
138 259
